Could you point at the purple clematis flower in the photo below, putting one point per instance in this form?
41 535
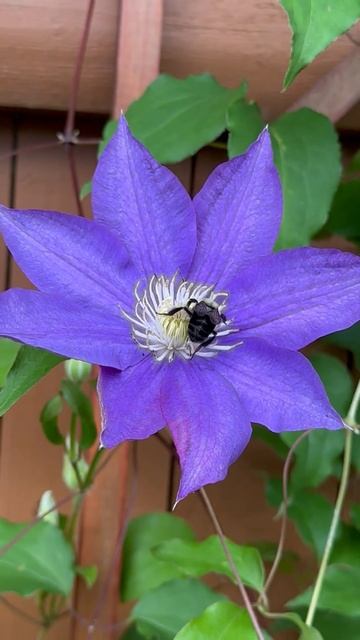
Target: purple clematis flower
194 322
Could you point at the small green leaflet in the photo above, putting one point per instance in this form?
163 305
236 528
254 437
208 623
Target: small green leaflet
161 613
8 353
80 405
344 218
244 122
29 367
299 139
141 570
339 593
310 512
336 379
348 339
89 574
41 559
85 189
207 556
49 420
334 626
315 24
220 621
174 118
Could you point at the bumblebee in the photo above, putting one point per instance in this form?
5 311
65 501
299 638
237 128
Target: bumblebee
204 318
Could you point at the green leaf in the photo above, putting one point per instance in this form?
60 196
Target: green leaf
29 367
80 404
41 559
334 626
199 558
339 593
315 458
220 621
132 634
344 218
271 439
336 379
141 570
354 164
314 25
161 613
347 547
355 450
274 492
49 420
307 633
312 513
8 353
244 122
310 633
85 189
299 139
348 339
355 516
89 573
174 118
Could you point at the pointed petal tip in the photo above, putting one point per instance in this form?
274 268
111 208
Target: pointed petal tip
264 137
178 499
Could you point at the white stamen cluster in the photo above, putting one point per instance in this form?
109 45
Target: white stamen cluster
166 336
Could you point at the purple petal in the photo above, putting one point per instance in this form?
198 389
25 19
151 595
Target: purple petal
293 297
278 388
209 425
65 254
80 331
146 204
239 213
129 401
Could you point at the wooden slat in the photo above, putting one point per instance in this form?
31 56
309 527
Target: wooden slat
138 57
336 92
105 510
231 39
29 464
5 169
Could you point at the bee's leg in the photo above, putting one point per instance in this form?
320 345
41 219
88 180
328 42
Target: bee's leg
175 310
206 343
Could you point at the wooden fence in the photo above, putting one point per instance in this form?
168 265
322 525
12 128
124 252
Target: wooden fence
123 56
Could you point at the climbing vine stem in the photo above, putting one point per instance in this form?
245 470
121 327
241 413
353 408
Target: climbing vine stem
350 422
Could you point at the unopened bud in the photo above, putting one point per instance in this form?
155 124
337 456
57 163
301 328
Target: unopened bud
47 504
77 370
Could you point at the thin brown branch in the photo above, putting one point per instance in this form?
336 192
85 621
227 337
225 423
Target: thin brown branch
29 149
75 179
75 83
19 612
168 445
93 624
282 537
214 519
48 145
171 481
355 41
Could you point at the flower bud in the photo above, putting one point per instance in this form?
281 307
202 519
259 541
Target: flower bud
77 370
46 503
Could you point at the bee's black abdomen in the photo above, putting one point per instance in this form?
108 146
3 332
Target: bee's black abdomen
200 328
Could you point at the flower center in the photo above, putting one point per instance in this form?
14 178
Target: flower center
177 317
